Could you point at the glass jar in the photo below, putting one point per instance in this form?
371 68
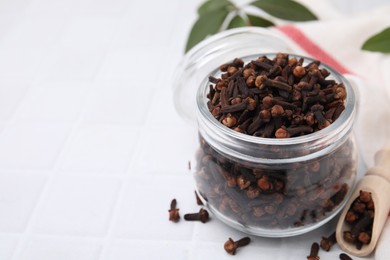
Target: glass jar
266 186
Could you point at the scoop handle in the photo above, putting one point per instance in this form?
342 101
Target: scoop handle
382 163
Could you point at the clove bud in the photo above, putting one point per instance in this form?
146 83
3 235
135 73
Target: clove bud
231 246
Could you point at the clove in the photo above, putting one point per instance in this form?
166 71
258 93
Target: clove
344 256
174 212
202 216
284 132
231 246
314 252
327 242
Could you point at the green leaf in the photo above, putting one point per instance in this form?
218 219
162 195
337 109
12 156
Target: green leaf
379 42
259 21
214 5
285 9
207 24
236 22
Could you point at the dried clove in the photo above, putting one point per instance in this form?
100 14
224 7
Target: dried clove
198 200
174 215
202 216
344 256
327 242
284 132
231 246
314 252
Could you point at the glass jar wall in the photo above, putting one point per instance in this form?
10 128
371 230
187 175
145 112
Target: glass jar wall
264 186
275 187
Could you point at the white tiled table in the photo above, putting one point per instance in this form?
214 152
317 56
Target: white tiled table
91 148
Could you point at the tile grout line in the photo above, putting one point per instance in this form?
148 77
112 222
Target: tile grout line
120 194
114 216
120 198
193 244
169 78
35 79
26 235
33 216
116 207
28 232
9 122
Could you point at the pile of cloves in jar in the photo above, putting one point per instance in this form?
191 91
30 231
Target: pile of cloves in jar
282 98
360 218
277 97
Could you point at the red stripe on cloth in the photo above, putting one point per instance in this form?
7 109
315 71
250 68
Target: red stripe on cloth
311 47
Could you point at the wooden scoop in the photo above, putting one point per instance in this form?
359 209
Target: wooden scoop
376 181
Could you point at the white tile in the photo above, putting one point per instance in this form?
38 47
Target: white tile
216 251
54 100
136 64
143 213
20 63
130 36
11 94
33 33
51 8
88 33
187 17
71 65
32 146
100 149
7 23
157 24
59 249
7 246
218 232
119 102
162 111
166 149
100 8
18 196
77 206
13 7
154 33
143 8
137 250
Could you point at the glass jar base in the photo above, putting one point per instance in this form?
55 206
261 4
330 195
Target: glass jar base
273 233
